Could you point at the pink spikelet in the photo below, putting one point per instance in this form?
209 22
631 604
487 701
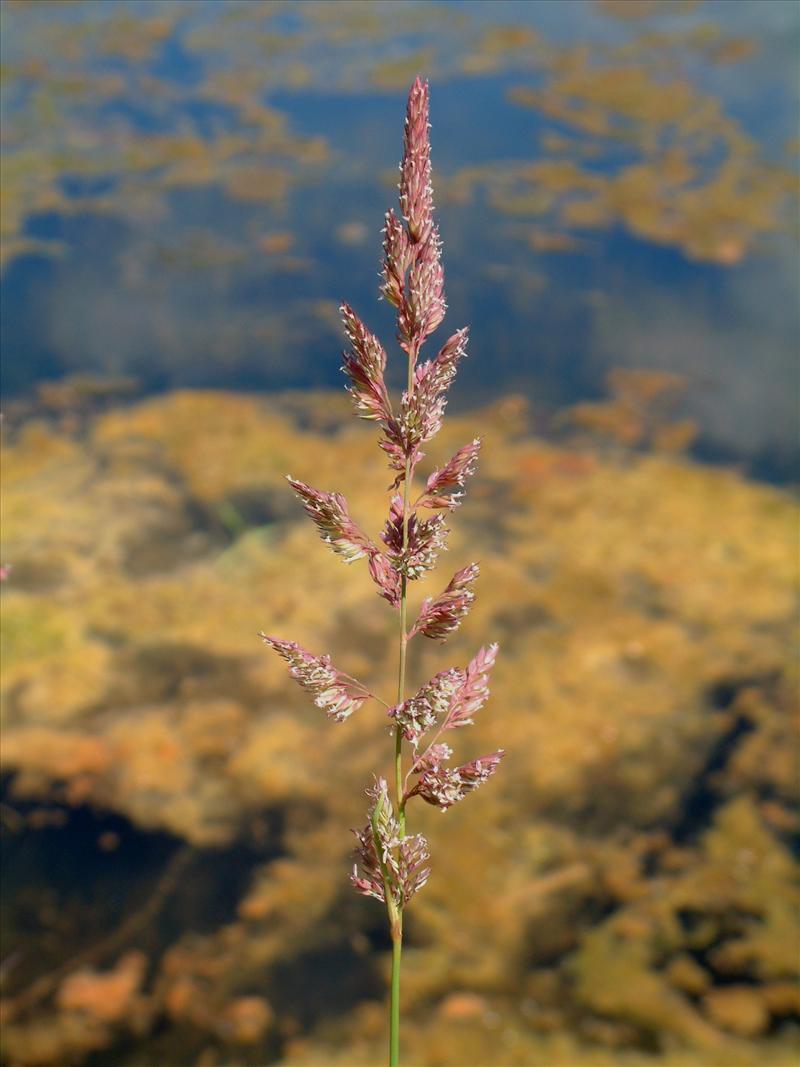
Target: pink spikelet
332 518
416 193
444 488
386 577
413 544
443 787
391 864
474 691
335 693
364 365
441 616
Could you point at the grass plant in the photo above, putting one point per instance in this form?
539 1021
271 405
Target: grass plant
391 863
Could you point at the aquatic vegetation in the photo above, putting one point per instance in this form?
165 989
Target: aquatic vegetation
639 412
392 864
69 73
646 616
177 168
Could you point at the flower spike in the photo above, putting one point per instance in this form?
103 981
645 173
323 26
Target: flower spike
392 864
444 488
442 615
364 365
444 787
331 517
416 194
335 693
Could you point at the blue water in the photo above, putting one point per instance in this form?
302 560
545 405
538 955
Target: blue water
194 188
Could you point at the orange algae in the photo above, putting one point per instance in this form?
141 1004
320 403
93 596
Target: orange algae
646 609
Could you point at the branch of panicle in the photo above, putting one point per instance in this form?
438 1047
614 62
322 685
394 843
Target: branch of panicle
390 865
448 701
335 693
442 615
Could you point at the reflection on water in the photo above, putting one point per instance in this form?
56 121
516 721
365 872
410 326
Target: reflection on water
185 185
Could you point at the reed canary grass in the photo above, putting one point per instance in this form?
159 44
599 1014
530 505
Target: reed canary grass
392 864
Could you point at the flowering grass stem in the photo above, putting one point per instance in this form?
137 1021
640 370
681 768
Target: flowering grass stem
391 864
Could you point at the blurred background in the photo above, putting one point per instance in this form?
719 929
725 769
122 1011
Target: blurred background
189 190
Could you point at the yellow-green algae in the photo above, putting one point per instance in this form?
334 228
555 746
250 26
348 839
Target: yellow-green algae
692 178
636 895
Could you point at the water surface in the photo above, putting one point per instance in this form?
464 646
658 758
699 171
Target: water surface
191 189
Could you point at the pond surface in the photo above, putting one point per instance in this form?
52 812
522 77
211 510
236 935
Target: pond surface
191 189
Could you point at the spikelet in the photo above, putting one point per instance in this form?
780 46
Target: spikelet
364 364
331 517
389 865
335 693
444 488
441 616
442 786
430 705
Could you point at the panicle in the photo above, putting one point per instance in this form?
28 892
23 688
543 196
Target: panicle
423 541
335 693
331 517
364 364
390 865
443 786
421 712
442 615
444 488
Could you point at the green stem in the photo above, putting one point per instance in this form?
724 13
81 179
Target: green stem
398 736
394 1027
395 911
